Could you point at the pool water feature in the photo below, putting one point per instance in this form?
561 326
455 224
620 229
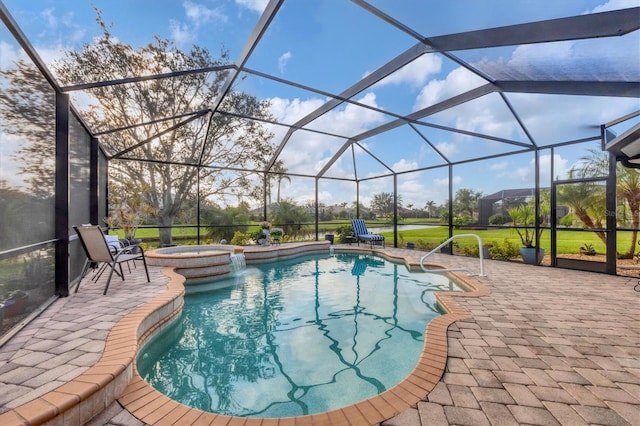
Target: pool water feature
296 337
238 262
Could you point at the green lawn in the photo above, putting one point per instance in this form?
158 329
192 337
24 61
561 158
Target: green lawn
567 242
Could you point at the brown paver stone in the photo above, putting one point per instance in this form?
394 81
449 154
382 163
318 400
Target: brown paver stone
432 414
462 396
544 393
498 414
486 378
492 395
631 413
565 414
599 415
465 416
533 416
522 395
408 417
440 395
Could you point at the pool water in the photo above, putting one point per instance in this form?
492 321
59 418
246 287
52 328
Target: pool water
295 337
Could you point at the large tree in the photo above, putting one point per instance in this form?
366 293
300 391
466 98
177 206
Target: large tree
466 201
164 149
382 203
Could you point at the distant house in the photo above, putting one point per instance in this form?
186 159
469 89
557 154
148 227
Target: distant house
502 201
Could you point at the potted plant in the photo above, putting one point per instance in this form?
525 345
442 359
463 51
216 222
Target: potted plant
265 234
486 250
130 209
276 235
448 249
523 221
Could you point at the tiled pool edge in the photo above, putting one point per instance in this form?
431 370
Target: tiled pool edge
114 376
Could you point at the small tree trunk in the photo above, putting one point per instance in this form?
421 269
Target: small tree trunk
165 233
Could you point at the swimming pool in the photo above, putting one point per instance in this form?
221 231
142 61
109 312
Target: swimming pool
295 337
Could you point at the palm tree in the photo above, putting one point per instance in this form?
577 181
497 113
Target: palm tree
280 173
627 190
280 179
582 199
429 205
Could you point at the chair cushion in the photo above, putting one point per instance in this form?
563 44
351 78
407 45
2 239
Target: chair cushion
113 242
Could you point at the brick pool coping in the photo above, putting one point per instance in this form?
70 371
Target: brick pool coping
114 376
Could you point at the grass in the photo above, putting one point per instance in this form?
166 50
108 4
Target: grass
566 242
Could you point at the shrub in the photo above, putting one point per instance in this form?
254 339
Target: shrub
567 220
471 251
498 219
462 220
424 245
504 251
241 239
343 231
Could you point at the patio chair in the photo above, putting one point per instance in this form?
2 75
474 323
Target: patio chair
362 234
98 251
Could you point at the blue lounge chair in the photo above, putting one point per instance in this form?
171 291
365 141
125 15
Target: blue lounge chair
361 233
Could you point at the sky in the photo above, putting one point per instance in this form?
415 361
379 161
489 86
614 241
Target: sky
331 44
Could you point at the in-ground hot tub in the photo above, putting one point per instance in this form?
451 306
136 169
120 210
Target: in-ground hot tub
195 262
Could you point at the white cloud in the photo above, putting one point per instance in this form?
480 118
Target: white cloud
447 149
50 18
614 5
416 73
181 33
200 14
289 111
443 182
283 60
560 166
349 119
254 5
499 166
403 165
526 173
413 189
308 152
457 81
9 55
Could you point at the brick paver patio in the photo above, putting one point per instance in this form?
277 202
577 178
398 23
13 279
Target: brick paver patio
547 346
